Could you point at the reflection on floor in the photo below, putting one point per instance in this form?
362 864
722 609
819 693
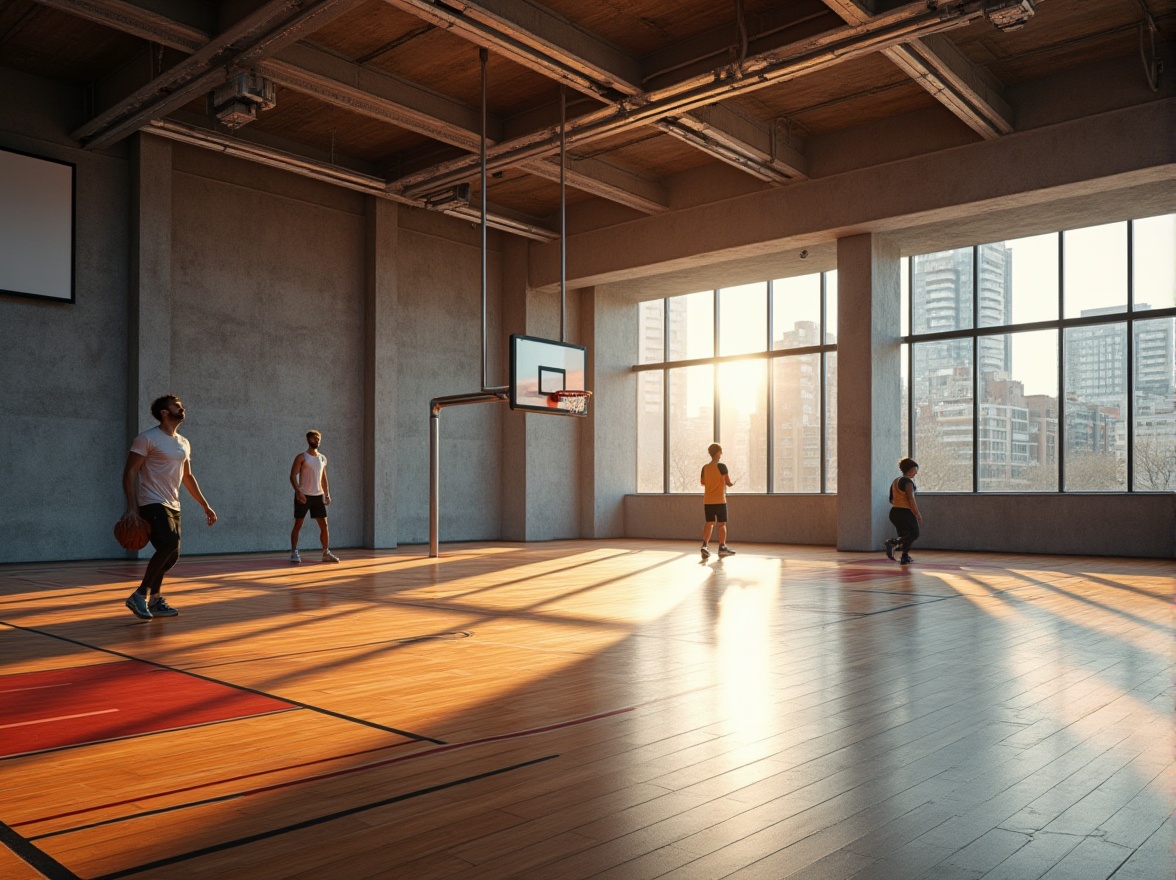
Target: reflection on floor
591 709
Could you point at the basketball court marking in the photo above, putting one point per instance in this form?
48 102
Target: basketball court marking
289 703
107 705
512 735
318 820
34 856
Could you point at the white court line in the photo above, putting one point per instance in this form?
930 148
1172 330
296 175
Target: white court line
38 687
58 718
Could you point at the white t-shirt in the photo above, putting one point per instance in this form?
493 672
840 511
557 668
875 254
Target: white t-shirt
163 470
310 473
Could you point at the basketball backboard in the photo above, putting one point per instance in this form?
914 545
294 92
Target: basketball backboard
541 367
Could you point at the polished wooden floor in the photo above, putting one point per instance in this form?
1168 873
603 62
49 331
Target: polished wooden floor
608 709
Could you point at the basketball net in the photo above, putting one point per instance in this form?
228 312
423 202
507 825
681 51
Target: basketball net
575 402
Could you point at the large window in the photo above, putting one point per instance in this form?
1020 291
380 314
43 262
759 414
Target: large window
1045 364
753 367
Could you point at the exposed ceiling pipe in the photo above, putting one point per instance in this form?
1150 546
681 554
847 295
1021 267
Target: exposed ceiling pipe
762 70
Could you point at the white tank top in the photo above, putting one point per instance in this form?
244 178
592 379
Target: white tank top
310 475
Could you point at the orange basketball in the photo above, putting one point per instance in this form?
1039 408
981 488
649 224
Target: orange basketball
132 536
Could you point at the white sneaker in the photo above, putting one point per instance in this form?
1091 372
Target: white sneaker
328 556
294 557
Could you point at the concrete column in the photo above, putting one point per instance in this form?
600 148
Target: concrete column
608 455
150 319
869 389
542 476
381 305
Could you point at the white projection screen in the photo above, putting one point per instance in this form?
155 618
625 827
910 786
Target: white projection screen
36 226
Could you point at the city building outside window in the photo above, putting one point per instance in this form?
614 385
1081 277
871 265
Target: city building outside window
753 367
997 329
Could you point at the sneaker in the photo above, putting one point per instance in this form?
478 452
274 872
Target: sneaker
705 553
890 545
159 608
137 602
724 550
328 556
294 557
906 560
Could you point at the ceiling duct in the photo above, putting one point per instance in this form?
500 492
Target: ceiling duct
235 102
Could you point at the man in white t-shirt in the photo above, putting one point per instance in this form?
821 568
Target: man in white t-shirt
312 494
160 461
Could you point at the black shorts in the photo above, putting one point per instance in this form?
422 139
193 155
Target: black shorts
715 512
314 503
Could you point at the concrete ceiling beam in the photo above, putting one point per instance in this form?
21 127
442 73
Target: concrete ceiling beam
383 96
965 89
378 95
769 68
937 64
774 157
274 152
178 25
545 42
536 38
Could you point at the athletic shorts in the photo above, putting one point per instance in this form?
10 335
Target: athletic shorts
314 503
715 512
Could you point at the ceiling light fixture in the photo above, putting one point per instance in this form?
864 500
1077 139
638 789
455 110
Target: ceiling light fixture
1009 15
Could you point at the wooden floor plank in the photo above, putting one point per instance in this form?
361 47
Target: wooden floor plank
612 709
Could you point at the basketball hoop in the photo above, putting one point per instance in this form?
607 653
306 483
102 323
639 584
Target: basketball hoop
573 402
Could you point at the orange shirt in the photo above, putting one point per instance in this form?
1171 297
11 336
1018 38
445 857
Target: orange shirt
898 496
714 481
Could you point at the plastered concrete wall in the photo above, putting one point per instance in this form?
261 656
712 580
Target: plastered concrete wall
760 519
609 470
440 339
63 373
1085 525
553 443
267 342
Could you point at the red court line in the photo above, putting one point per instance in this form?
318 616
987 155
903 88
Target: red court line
90 704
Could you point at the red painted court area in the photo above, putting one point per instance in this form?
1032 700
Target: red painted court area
88 704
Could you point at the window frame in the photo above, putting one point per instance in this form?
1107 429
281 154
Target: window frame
1128 317
768 354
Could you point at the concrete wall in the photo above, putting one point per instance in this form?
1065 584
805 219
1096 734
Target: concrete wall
1083 525
254 306
272 303
63 373
440 341
758 519
267 329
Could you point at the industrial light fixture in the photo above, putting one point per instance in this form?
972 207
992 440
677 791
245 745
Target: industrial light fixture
236 102
1008 15
443 200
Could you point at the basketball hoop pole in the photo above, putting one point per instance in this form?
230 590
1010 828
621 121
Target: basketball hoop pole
487 394
435 407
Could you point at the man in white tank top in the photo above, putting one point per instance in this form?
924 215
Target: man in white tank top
160 461
312 494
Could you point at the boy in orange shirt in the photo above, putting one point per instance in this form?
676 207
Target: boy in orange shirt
715 481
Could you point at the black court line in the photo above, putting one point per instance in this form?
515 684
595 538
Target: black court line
291 783
39 860
318 820
110 739
225 780
319 709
